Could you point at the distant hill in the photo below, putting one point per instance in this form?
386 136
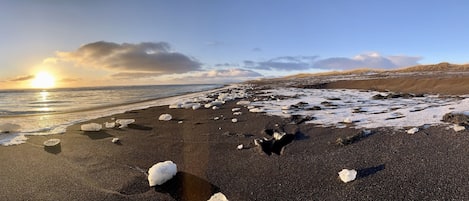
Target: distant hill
444 66
332 73
435 67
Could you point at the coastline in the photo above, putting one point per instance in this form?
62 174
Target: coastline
56 123
391 164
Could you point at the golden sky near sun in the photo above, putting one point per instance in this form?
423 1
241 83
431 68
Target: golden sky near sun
43 80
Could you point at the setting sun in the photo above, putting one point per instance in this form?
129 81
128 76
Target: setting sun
43 80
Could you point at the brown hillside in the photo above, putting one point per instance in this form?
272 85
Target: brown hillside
444 67
435 67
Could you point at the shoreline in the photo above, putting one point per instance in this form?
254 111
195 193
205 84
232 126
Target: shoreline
57 123
391 164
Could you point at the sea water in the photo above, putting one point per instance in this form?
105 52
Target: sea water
51 111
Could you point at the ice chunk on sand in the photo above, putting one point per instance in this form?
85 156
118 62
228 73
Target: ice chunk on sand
347 175
9 128
187 105
278 136
239 147
196 106
218 197
165 117
286 107
175 106
234 120
115 140
161 172
413 130
51 142
237 113
236 109
256 110
110 124
243 103
348 120
91 127
124 122
214 103
458 128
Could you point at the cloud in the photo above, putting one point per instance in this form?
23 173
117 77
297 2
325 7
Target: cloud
214 76
286 63
22 78
126 75
256 49
367 60
404 61
144 57
214 43
70 80
224 73
227 65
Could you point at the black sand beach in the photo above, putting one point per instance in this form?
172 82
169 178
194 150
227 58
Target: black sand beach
391 165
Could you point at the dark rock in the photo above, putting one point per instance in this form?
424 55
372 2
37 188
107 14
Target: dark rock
328 104
315 108
298 119
456 118
343 141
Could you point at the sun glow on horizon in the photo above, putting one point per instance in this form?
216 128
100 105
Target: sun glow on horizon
43 80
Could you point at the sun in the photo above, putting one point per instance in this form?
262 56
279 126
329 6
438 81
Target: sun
43 80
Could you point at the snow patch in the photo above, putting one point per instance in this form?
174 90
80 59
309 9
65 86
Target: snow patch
359 107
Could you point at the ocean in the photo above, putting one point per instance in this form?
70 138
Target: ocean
51 111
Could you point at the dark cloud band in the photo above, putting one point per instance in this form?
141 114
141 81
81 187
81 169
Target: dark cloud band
141 57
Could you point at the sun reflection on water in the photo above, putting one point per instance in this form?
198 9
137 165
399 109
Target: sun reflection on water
44 98
44 95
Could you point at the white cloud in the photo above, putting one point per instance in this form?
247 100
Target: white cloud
404 61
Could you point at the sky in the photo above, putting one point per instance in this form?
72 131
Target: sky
112 42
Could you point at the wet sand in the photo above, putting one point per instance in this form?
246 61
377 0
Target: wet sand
392 165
